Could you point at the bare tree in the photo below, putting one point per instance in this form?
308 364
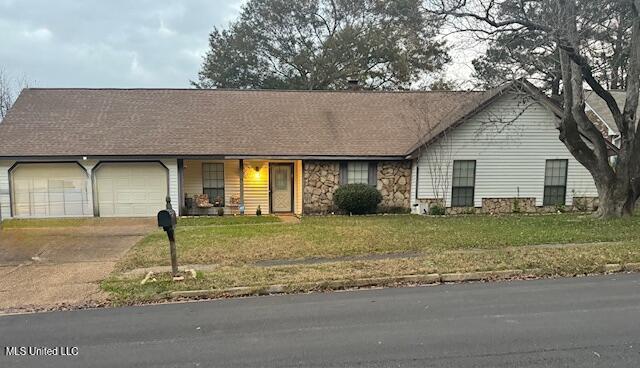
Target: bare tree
9 90
435 148
6 96
568 23
438 159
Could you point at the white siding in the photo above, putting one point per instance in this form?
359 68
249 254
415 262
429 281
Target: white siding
193 178
510 158
256 186
5 203
231 179
298 187
172 165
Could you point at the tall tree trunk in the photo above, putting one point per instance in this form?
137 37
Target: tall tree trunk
616 200
616 185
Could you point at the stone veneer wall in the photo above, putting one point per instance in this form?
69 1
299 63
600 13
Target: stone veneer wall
320 180
524 205
394 183
509 205
586 203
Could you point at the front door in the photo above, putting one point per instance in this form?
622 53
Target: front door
281 184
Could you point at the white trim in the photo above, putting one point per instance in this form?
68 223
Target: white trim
610 131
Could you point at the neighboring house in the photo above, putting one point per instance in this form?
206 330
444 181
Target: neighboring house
120 152
599 113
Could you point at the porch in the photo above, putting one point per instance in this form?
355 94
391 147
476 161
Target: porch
275 186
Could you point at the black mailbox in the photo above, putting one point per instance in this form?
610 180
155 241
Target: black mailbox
167 219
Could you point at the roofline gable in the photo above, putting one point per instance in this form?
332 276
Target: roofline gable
522 85
491 96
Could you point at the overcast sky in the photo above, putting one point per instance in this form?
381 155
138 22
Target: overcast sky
108 43
120 43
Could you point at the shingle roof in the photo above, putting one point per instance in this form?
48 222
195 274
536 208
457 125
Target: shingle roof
189 122
599 106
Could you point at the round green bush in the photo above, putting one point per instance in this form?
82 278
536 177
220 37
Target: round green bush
437 210
357 199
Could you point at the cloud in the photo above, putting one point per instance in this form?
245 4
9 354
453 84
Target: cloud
163 30
116 43
40 34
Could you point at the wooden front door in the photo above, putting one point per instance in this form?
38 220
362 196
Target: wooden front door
281 187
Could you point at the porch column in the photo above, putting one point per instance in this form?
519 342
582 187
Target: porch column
181 205
241 168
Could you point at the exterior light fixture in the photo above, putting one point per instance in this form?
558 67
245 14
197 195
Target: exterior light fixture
84 158
257 172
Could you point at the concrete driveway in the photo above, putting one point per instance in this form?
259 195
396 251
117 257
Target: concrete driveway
41 267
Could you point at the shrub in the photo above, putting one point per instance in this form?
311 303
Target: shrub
220 211
437 210
357 198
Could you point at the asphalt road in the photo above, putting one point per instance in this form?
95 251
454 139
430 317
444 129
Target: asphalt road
580 322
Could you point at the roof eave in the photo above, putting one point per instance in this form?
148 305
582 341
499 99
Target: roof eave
201 157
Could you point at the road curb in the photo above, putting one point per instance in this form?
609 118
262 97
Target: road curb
612 267
632 267
423 279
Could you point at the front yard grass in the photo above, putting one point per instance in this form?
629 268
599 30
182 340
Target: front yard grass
575 245
338 236
226 220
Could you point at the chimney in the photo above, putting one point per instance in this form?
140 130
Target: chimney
353 84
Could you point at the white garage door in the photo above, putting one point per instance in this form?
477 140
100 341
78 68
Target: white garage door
130 189
49 190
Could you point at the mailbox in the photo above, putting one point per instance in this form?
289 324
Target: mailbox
167 219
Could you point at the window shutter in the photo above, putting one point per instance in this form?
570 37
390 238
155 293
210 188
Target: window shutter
373 173
343 172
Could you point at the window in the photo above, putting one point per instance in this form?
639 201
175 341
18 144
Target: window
213 182
464 180
555 182
357 172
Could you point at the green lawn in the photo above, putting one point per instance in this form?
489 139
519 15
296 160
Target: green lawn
573 244
338 236
226 220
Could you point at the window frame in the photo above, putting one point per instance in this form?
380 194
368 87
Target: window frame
220 190
545 197
454 187
362 164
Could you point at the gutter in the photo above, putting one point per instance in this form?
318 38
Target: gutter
202 157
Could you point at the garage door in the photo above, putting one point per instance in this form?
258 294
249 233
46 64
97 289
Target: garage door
49 190
130 189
